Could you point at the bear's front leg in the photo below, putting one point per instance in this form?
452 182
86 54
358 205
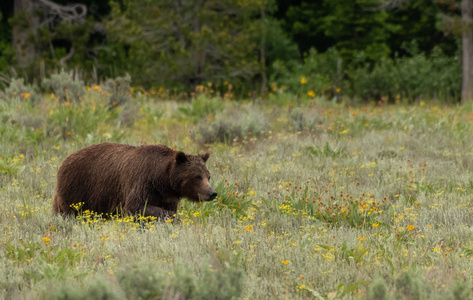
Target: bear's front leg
158 212
134 204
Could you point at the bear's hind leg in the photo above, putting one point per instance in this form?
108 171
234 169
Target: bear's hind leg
60 207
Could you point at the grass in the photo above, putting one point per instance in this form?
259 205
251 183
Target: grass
321 200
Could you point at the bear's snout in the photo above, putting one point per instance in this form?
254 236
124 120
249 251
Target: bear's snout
213 195
208 195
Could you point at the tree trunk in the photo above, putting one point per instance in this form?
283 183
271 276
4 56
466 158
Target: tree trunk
264 75
467 46
22 31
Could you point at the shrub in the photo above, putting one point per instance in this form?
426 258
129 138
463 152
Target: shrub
202 107
377 289
231 124
18 88
461 289
226 283
436 76
96 288
304 118
318 70
118 89
65 86
75 120
373 83
145 282
410 286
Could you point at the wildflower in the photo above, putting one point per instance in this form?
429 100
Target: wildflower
169 220
410 227
248 227
303 80
27 95
46 240
375 225
285 262
311 93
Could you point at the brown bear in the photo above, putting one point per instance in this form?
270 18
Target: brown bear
111 178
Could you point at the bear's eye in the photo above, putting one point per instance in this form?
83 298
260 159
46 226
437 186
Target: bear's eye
198 177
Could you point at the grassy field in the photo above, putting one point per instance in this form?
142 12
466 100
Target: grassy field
316 200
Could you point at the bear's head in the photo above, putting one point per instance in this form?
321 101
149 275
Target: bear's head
192 177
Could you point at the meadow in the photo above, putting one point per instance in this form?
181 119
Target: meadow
317 199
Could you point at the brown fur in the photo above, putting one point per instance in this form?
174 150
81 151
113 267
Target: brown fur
110 178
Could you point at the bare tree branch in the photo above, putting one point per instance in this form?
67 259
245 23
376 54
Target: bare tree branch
67 57
392 4
72 13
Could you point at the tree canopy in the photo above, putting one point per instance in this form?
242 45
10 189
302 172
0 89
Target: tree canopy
182 44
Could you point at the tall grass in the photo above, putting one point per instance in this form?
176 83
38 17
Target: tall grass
322 200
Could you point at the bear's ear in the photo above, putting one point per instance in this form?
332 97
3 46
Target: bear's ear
205 156
181 157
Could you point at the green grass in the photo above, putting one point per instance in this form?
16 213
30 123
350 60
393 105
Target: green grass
321 200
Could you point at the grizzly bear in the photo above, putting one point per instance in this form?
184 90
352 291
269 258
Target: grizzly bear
150 180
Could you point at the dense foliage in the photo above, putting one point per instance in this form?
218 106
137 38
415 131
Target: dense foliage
364 48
